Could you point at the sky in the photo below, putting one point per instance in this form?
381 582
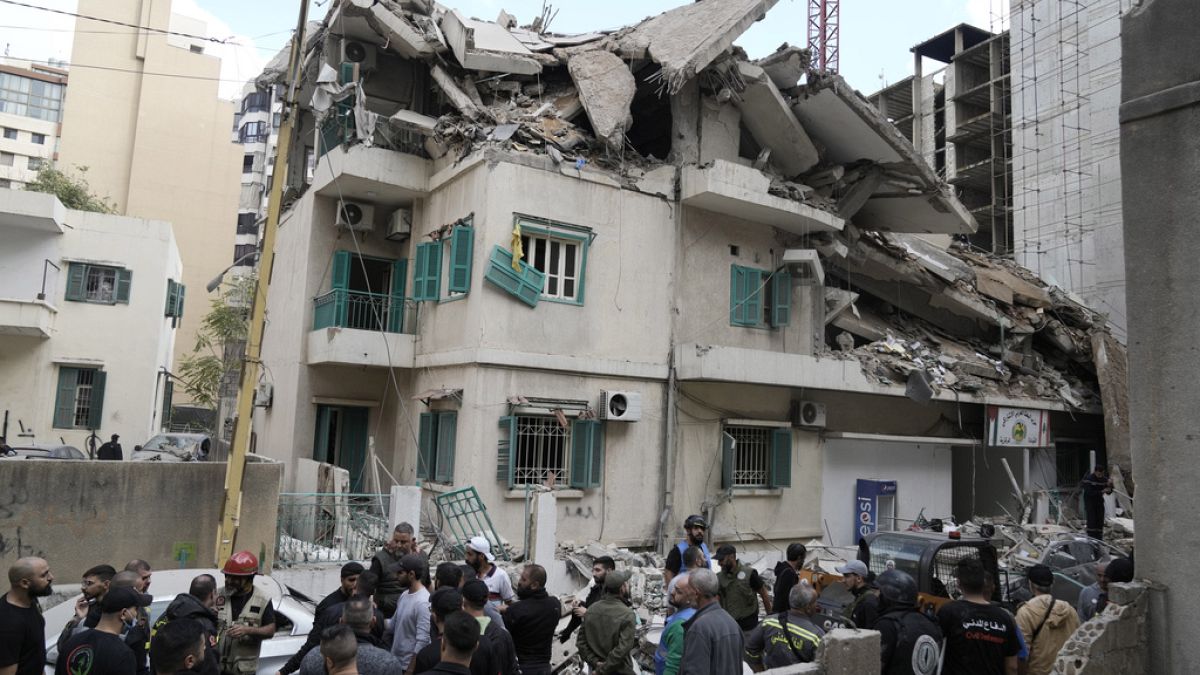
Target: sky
875 40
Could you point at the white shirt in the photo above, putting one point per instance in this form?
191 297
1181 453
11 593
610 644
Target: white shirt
499 586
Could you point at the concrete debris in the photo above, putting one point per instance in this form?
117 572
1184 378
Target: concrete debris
786 66
766 114
606 89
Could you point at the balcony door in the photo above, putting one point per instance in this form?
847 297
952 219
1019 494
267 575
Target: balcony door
369 292
341 440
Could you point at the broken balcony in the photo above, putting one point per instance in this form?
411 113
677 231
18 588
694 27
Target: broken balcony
373 175
743 192
26 318
362 329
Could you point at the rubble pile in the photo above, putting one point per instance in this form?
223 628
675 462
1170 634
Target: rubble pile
647 590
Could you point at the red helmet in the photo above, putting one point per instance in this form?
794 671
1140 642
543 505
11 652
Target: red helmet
241 564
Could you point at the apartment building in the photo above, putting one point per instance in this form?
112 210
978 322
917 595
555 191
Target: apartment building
31 99
89 303
670 284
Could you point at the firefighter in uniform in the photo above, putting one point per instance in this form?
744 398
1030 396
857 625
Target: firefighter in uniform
244 616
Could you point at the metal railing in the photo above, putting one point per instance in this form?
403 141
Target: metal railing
343 308
330 527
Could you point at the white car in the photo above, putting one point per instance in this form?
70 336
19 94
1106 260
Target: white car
293 615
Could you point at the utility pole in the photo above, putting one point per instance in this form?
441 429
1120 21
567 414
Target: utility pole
231 509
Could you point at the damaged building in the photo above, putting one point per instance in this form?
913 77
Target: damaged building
654 275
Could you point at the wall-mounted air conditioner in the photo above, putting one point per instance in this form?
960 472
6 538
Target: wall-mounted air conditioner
356 216
620 406
808 414
400 225
263 394
362 53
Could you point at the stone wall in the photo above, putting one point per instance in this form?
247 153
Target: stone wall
1113 642
844 651
80 514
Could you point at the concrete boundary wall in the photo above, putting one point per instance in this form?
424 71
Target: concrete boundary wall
80 514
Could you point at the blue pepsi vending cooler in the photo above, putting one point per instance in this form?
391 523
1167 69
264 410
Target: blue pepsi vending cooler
874 505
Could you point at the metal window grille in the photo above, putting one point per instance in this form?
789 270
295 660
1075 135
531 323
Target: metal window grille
101 284
751 455
83 397
542 451
559 260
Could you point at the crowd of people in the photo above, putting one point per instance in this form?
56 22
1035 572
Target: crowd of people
392 617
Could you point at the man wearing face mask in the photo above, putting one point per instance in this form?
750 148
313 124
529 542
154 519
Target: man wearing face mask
101 651
244 616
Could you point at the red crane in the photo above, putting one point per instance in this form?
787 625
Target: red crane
824 30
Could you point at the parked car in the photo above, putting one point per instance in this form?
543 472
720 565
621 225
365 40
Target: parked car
293 615
174 448
44 451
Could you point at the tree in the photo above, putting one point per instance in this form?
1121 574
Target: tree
72 190
220 343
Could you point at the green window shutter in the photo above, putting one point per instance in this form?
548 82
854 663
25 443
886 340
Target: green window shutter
168 396
462 246
64 399
124 280
171 294
399 285
727 446
340 279
426 437
181 292
781 298
419 273
745 296
506 449
526 285
76 283
447 430
587 453
433 270
96 418
781 458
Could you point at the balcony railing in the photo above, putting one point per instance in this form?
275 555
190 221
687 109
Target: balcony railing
343 308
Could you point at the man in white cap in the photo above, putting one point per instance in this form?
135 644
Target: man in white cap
864 609
479 557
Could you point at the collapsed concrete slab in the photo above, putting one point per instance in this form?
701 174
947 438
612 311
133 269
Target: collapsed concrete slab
685 40
786 65
742 192
606 90
481 45
400 36
911 198
766 115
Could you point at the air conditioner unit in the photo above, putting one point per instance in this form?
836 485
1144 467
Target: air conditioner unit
809 414
620 406
263 393
355 216
400 225
362 53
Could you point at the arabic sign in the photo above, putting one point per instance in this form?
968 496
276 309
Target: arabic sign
1018 428
866 505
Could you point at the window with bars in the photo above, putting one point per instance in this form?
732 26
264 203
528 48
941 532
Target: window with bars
756 456
541 450
79 402
100 284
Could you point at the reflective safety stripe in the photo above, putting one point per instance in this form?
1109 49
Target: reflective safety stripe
794 629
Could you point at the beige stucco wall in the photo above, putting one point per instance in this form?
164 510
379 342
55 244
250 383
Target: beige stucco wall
80 514
159 147
131 342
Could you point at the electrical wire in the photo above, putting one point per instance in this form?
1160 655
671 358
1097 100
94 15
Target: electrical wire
114 22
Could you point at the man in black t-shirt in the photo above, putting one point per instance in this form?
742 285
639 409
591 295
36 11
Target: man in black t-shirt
22 628
101 651
980 639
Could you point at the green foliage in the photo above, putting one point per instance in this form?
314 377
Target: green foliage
72 190
226 325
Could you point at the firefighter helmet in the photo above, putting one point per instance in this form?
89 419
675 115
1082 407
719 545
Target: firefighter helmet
241 564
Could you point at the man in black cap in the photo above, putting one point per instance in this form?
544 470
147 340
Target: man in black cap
101 651
739 584
608 637
694 528
111 450
1046 623
350 573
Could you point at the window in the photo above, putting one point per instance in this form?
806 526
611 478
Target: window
541 450
246 251
275 119
247 223
98 283
7 158
5 183
560 259
436 438
196 49
755 456
175 297
34 163
38 139
25 96
79 402
10 134
247 163
759 298
253 132
256 102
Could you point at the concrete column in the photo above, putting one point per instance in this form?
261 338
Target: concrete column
849 651
1160 165
543 535
405 507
